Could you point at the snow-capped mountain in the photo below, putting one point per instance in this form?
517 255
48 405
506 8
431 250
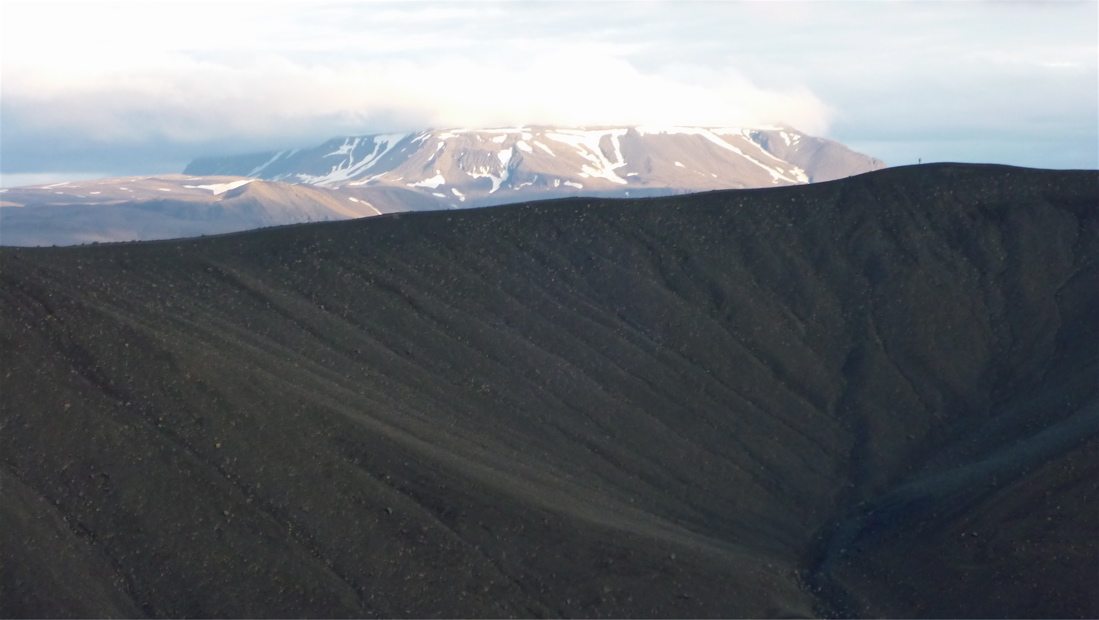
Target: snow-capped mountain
368 175
466 167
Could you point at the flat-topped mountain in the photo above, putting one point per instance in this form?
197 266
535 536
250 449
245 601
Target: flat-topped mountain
494 166
869 397
432 170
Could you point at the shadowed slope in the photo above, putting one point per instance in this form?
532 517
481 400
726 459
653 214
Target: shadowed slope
769 402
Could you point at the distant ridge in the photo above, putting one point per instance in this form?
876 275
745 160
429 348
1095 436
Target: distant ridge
175 206
478 167
872 397
363 176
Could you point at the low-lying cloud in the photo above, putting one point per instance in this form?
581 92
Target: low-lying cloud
256 77
145 87
192 101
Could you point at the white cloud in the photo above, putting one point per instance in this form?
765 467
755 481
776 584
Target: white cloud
199 76
185 99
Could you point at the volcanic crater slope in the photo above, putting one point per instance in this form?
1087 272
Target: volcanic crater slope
873 396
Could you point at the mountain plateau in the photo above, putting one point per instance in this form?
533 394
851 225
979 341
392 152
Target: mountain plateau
468 167
363 176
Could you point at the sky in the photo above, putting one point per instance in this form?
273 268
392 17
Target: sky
98 89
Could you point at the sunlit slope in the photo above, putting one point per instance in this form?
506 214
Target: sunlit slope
755 403
175 206
482 167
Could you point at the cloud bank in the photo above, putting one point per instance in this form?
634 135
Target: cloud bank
101 87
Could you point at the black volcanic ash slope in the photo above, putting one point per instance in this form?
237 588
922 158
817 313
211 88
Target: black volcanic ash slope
875 396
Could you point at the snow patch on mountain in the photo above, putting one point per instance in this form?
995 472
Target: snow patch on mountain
587 144
776 174
349 168
347 148
434 182
495 179
255 171
216 188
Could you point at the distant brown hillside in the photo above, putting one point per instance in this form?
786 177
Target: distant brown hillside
177 206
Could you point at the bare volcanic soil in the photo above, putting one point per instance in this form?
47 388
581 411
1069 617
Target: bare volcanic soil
867 397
